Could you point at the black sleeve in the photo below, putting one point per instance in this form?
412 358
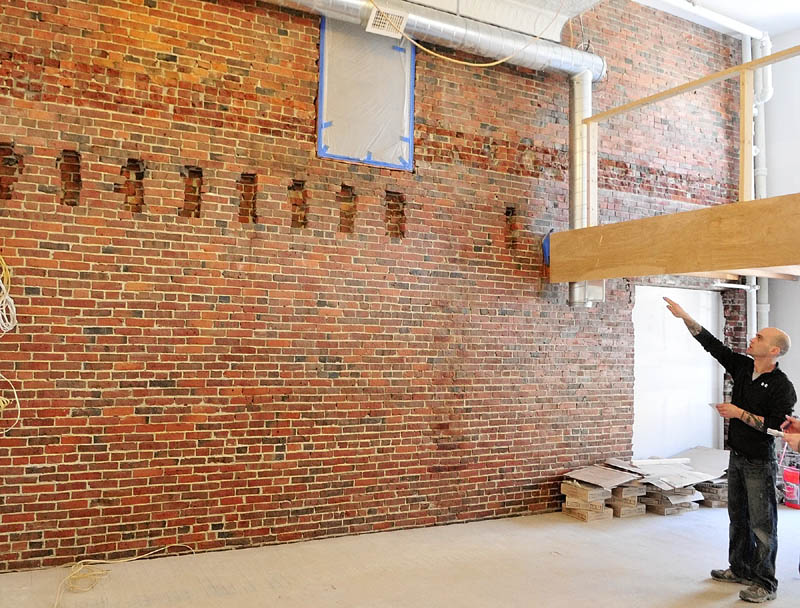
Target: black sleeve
730 360
782 403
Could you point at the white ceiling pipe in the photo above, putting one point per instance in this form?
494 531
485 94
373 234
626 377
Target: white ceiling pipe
764 90
693 7
734 286
752 287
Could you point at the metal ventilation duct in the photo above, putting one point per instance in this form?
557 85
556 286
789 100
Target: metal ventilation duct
485 40
452 31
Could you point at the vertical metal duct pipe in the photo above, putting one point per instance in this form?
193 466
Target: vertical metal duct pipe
763 94
750 311
580 215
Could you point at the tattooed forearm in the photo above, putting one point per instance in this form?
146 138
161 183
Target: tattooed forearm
693 326
757 422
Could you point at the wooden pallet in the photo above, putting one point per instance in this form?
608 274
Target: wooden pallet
623 511
664 509
628 501
628 491
583 492
654 499
606 513
707 486
574 503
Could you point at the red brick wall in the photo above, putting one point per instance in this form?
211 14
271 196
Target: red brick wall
219 382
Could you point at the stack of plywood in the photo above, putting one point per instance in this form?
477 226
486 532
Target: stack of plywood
665 486
671 502
588 488
585 502
671 482
624 501
715 493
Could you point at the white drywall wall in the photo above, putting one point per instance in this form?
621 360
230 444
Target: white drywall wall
675 379
783 165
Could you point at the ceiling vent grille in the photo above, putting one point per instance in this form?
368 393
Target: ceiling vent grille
387 22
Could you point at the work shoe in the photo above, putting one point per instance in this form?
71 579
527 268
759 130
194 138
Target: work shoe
727 576
756 594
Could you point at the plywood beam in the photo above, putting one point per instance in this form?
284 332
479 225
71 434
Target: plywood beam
767 273
752 235
785 273
721 275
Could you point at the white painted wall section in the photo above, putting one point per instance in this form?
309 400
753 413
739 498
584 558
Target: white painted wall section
782 115
675 379
783 165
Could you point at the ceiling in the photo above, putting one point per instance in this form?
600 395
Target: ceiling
546 18
774 17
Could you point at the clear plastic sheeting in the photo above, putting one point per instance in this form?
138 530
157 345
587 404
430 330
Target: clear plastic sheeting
366 97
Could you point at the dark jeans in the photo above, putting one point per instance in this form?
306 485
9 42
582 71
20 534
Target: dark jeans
753 513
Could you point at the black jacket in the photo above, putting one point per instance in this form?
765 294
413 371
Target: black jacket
771 395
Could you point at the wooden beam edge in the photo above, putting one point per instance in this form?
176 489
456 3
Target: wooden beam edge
714 239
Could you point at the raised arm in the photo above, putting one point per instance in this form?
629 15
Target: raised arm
729 359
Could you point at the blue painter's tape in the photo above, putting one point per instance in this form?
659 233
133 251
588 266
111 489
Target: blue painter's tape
373 163
546 247
323 150
412 58
321 94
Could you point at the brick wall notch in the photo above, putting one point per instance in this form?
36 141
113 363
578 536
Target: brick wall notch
512 226
299 200
133 188
11 166
70 166
347 209
248 188
395 215
192 191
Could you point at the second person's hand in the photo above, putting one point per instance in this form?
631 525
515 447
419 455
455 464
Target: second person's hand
791 425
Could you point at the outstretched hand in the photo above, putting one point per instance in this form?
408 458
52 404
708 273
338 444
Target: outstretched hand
676 309
791 428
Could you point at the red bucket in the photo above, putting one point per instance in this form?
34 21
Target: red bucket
791 482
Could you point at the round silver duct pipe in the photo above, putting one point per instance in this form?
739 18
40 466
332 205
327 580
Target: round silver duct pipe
428 25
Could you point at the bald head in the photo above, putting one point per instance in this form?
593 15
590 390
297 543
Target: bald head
777 338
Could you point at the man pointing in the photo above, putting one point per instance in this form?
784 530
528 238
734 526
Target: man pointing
762 397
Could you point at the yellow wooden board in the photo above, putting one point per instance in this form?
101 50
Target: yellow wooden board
731 72
752 235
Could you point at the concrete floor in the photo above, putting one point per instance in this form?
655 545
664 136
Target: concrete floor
543 560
